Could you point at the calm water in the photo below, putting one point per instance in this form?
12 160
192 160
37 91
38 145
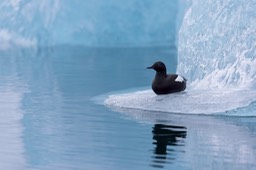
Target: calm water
50 120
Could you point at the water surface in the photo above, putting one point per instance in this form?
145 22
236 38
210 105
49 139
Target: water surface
50 118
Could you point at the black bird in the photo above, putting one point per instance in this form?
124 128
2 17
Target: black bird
166 83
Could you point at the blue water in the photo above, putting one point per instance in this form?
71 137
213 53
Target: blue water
75 93
51 121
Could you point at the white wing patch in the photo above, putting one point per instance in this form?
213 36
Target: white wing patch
179 79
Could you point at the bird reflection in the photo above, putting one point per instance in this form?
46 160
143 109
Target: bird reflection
164 136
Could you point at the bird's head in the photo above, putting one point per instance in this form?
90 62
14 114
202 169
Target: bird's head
158 66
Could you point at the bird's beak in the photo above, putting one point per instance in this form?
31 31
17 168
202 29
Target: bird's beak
151 67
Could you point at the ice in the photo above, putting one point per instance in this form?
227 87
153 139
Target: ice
92 23
217 46
228 101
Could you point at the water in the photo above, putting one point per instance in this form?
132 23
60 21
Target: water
50 112
52 121
76 95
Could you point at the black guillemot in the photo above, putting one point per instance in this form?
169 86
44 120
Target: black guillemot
166 83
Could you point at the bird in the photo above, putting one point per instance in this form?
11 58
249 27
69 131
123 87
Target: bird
164 83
